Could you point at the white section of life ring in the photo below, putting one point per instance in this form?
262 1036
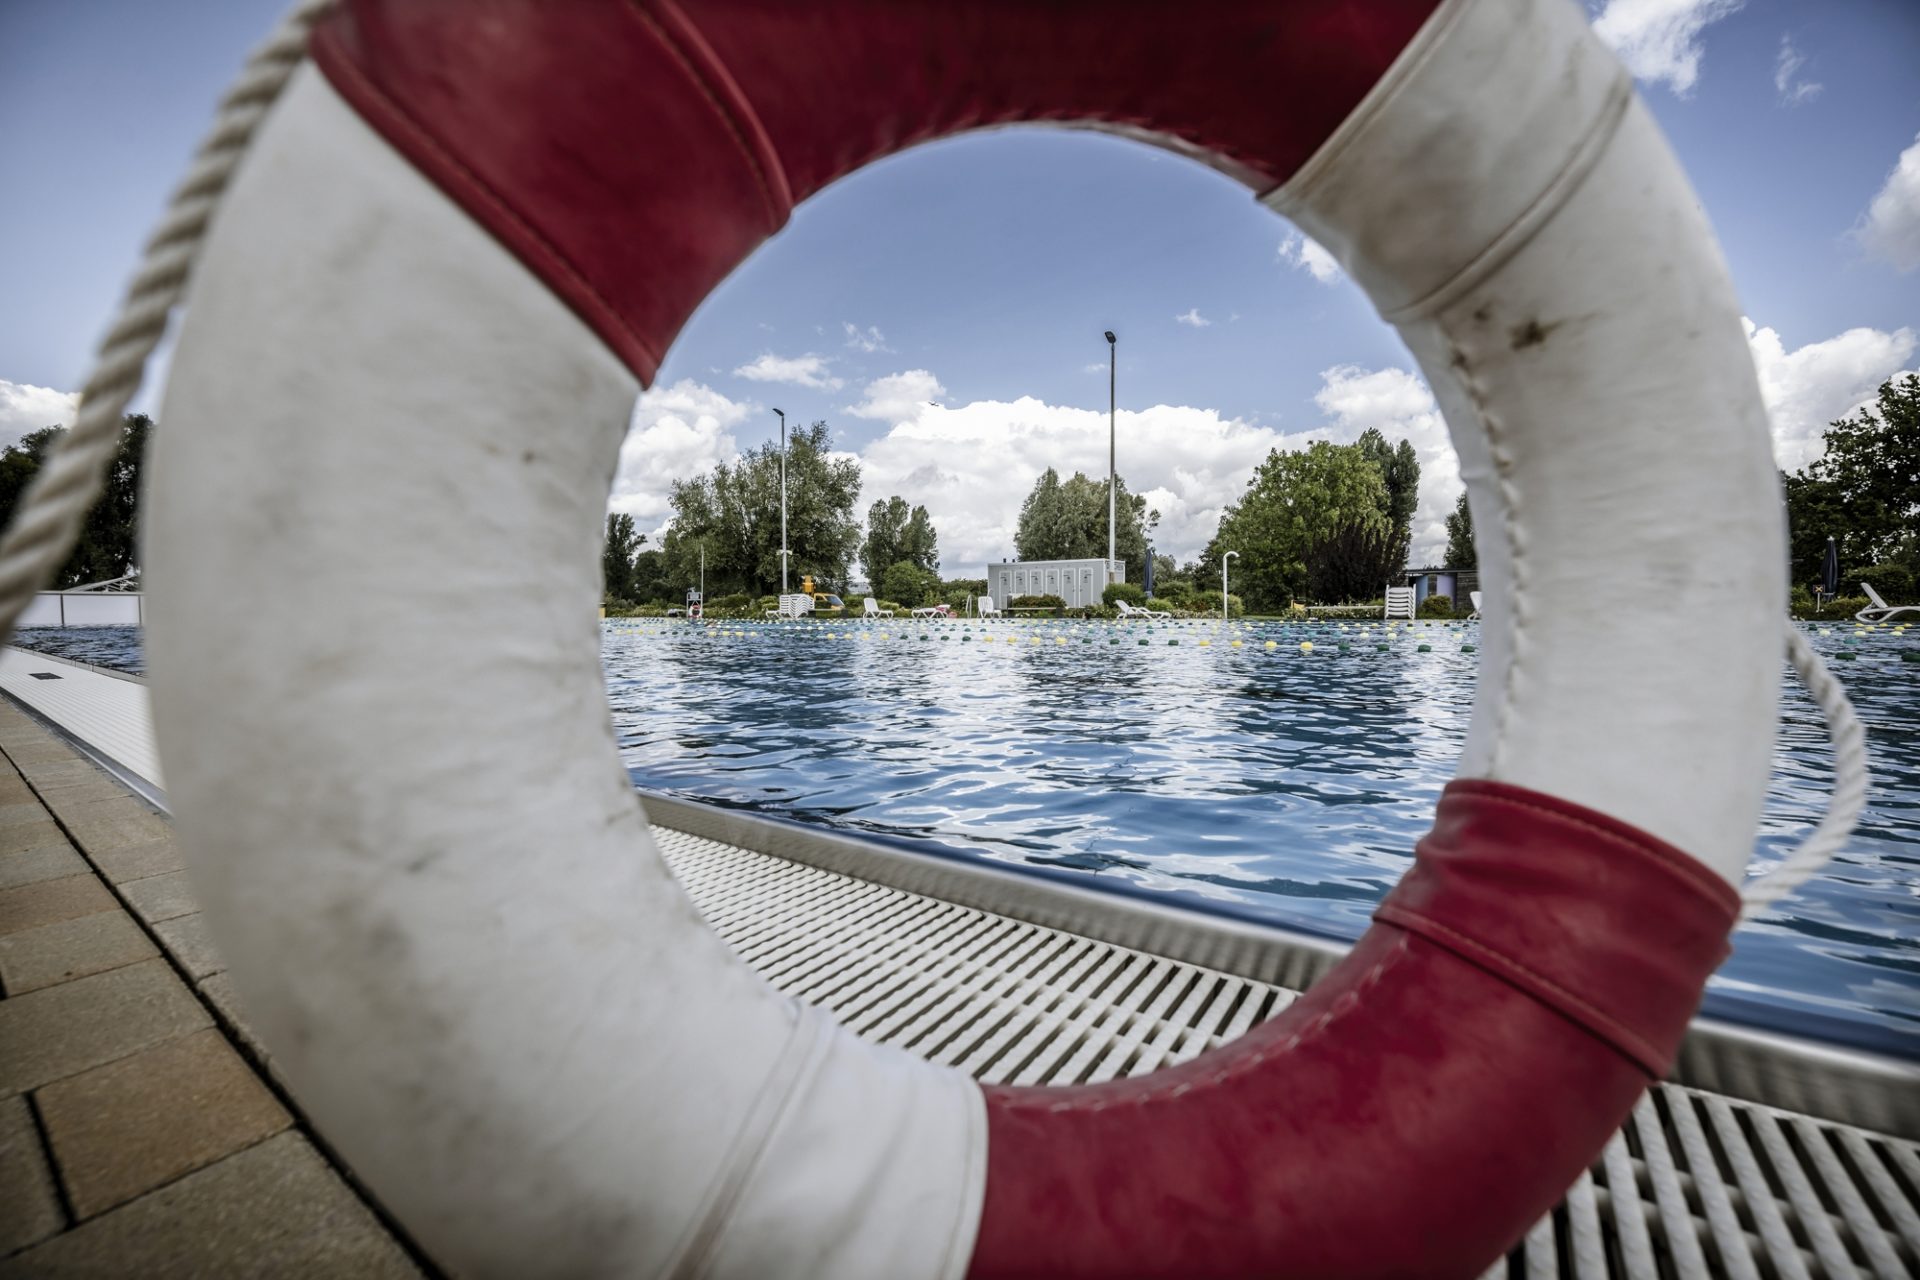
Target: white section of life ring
1615 449
377 687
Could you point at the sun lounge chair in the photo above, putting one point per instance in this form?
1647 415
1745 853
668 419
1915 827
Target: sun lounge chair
1880 610
1132 610
1399 602
986 609
1474 596
930 611
872 609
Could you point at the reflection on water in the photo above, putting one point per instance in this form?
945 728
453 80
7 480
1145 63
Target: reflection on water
1261 781
1265 781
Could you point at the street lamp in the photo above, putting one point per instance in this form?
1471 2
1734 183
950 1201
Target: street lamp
783 501
1113 360
1224 615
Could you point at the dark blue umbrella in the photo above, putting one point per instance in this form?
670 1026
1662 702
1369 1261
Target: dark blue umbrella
1830 570
1149 583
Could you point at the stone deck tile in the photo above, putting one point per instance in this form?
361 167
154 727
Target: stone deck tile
51 901
29 1208
30 835
140 861
160 897
273 1210
53 953
48 862
58 1031
102 826
25 809
121 1130
191 946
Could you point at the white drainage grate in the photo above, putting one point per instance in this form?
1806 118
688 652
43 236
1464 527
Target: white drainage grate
1694 1185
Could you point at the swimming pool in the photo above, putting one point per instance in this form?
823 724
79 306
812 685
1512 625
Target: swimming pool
1263 782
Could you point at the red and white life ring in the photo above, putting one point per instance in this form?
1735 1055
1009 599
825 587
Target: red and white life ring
460 246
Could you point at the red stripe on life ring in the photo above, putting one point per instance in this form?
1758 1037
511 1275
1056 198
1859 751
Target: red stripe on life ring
633 153
1417 1110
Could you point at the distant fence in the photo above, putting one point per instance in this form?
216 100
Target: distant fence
85 609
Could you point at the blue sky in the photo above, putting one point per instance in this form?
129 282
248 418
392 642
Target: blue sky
943 309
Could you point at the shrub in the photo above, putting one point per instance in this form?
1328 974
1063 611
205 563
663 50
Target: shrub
732 603
1036 602
1436 606
1894 582
1208 602
1132 593
769 602
1175 592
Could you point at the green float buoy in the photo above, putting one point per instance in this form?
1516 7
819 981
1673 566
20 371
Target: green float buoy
1425 648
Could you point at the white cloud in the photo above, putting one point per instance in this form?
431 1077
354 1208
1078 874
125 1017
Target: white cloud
973 464
1309 256
677 432
1192 318
899 397
1397 402
1786 76
1809 387
801 371
1891 227
1659 40
869 339
25 407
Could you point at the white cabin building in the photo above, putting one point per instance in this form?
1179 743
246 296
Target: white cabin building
1078 582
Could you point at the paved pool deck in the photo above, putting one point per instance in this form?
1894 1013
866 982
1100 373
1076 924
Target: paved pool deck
141 1131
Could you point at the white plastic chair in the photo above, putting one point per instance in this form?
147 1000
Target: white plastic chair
1399 602
1475 597
1880 610
872 609
986 608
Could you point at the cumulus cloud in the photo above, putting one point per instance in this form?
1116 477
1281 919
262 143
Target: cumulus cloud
1398 402
1793 89
1192 318
868 340
898 397
677 432
1309 256
25 407
973 464
808 370
1891 227
1659 40
1810 386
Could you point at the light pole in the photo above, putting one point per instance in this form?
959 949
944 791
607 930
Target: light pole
1224 605
1113 360
783 502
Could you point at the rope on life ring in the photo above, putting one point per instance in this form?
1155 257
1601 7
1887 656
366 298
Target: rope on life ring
483 984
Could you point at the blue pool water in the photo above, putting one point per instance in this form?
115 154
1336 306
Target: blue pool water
1260 782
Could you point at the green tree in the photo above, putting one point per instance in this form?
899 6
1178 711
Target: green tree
908 584
1400 470
896 532
617 553
1460 549
1293 500
1067 520
919 544
1353 560
1864 491
649 582
734 511
108 546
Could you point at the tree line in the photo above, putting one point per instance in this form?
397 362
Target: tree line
1864 493
109 545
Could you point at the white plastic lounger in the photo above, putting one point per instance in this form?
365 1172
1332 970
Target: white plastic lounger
1880 610
1474 596
986 608
1399 602
872 609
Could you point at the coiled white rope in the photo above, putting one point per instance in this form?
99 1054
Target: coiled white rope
1850 779
48 521
49 518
